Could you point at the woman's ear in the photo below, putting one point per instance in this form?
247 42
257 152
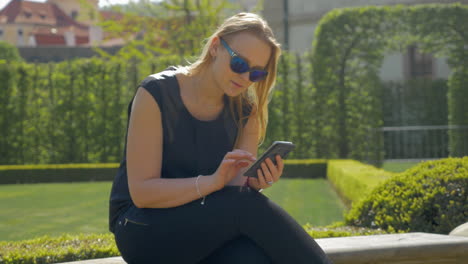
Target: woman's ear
214 47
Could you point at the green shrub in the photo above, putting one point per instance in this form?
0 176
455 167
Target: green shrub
9 52
306 168
67 248
58 249
353 179
430 197
340 230
13 174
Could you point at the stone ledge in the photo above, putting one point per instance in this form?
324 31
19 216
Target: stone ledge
409 248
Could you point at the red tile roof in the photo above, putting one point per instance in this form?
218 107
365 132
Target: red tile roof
20 11
50 22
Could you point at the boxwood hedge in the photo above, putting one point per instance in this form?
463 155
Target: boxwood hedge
67 247
14 174
353 180
430 197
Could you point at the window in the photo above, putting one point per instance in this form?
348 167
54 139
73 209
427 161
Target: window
1 34
419 65
20 39
27 14
42 14
74 14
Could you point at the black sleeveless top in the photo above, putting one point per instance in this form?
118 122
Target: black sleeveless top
191 147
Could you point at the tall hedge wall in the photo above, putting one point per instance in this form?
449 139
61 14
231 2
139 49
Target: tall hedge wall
76 111
325 102
348 50
69 112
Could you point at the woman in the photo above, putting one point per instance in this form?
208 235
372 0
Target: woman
180 196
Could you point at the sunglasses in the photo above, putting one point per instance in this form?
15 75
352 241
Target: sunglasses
239 65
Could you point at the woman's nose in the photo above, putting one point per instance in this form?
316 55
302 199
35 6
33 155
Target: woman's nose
245 76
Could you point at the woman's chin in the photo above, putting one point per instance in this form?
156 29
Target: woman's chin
234 91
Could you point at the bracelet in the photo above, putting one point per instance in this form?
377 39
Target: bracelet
198 190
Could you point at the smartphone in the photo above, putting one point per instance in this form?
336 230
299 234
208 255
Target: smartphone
281 148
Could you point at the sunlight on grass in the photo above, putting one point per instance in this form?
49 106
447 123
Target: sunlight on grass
32 210
308 201
398 166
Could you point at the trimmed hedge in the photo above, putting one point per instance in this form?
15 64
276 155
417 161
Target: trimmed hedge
340 230
58 249
347 53
353 179
430 197
13 174
9 52
91 246
307 168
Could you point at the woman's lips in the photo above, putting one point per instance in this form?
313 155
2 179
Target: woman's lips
236 84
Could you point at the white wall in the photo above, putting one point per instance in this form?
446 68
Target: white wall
301 36
442 70
392 67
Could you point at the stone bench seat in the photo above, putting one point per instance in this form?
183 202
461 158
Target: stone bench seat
408 248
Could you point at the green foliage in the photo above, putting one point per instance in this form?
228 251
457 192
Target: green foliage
67 248
11 174
325 102
307 169
415 102
169 27
9 52
353 180
340 230
14 174
291 109
64 248
430 197
348 50
458 110
69 112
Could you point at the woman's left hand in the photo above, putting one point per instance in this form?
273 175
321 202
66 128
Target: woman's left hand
268 174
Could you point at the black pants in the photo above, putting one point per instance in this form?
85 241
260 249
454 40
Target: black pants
235 225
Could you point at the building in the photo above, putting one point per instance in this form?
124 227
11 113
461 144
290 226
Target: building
53 23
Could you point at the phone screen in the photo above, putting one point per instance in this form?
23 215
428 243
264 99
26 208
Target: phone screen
281 148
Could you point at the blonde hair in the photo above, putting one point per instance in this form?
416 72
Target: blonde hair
258 94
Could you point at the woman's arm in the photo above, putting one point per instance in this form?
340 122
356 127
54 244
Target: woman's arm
249 143
144 162
269 172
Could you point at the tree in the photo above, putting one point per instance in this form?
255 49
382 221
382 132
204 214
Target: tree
171 27
9 52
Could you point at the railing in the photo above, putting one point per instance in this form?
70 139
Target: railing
420 142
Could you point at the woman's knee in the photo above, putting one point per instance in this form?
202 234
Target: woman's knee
241 250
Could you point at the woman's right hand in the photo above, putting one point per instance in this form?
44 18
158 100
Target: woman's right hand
230 165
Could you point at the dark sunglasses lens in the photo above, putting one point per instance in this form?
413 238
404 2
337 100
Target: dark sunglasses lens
239 65
256 76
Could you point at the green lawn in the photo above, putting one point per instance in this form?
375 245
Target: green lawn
398 166
31 210
308 201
